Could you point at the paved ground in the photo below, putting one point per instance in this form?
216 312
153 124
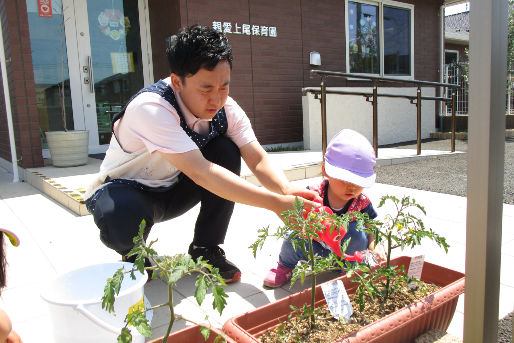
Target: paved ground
444 174
55 240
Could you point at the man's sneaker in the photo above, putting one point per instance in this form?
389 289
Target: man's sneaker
215 256
277 276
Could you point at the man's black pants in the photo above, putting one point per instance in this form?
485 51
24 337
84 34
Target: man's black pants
119 208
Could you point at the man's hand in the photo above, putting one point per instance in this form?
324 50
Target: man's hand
287 202
305 193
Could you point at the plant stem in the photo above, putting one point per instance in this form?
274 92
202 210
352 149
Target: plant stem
172 313
388 279
155 307
389 247
313 282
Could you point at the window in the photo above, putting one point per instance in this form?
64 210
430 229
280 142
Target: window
380 38
451 56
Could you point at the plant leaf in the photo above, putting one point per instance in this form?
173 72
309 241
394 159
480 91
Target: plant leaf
201 289
112 288
125 336
219 301
206 332
139 321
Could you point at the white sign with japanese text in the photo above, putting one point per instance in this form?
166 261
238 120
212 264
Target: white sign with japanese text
245 29
416 267
337 299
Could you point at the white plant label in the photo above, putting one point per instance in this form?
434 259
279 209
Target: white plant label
416 267
337 299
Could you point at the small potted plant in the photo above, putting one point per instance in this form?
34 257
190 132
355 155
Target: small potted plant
169 269
368 286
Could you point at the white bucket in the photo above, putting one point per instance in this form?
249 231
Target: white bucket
75 301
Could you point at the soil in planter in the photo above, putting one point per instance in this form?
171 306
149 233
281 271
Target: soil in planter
328 329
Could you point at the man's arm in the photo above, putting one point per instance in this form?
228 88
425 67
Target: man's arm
228 185
274 179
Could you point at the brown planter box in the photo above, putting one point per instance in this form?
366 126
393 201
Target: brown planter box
433 312
190 334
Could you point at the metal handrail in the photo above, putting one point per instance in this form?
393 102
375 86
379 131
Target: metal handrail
317 91
374 95
378 78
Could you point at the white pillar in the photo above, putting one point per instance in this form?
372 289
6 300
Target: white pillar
488 71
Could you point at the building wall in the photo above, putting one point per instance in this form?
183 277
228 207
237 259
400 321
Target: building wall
21 87
164 21
427 38
268 73
396 117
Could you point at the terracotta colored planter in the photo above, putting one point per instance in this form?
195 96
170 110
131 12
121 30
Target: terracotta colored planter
190 334
433 312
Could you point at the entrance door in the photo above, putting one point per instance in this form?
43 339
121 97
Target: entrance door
109 61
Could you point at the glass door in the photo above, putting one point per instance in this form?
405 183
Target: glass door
89 58
109 60
50 66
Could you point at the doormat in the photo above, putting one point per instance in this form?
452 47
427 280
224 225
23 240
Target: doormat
98 156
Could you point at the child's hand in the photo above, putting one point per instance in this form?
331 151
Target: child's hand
378 251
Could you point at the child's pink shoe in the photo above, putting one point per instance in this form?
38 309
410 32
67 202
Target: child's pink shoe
278 276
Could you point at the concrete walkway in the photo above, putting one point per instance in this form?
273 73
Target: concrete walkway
55 239
67 185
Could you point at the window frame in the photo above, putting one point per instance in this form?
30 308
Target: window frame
380 4
456 52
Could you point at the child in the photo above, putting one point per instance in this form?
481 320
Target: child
348 167
7 334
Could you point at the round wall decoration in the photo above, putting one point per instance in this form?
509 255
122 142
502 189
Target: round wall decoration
112 23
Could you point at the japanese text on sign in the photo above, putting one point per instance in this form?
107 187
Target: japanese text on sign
337 299
416 267
245 29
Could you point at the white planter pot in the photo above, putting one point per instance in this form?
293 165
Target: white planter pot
68 148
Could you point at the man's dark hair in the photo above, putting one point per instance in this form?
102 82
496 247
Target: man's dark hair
197 47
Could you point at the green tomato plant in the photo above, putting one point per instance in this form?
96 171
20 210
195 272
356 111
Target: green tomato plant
301 227
400 230
169 269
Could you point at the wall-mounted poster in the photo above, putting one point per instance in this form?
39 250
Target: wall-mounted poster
122 62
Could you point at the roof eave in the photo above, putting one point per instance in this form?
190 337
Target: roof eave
454 2
457 38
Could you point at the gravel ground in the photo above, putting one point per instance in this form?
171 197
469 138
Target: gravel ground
505 329
445 174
